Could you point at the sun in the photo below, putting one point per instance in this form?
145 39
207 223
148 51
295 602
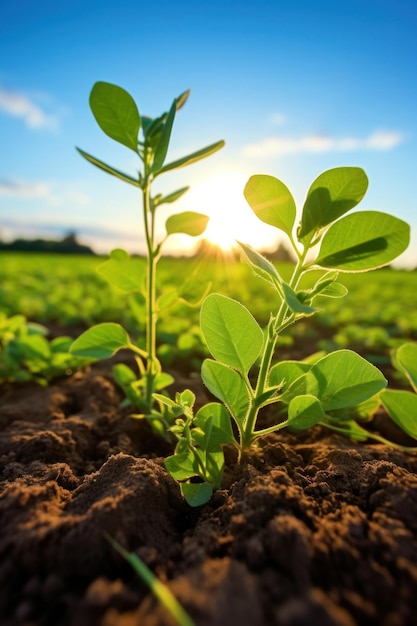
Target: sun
231 218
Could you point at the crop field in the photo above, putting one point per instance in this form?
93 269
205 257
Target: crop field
67 294
220 422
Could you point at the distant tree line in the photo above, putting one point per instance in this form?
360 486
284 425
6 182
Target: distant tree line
67 245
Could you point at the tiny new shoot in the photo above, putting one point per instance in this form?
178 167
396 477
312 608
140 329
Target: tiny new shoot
242 374
161 592
118 116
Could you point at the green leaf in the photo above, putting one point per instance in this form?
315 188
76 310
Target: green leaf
294 303
261 266
123 272
401 406
304 412
339 380
405 358
271 201
167 299
163 143
110 170
192 158
188 222
172 197
181 466
182 99
101 341
331 195
163 380
222 432
228 386
196 494
116 113
285 373
363 241
232 334
332 290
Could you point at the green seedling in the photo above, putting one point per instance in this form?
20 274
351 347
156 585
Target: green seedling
159 590
26 354
331 390
118 116
401 405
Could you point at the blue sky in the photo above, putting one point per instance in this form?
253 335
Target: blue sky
294 89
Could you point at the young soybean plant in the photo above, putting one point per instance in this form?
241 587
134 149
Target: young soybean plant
118 117
242 374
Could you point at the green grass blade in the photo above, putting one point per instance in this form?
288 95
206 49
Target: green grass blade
159 590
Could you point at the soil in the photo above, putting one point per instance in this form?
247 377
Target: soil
311 530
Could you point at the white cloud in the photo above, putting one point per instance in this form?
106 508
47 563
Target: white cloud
277 119
20 105
54 194
24 189
277 146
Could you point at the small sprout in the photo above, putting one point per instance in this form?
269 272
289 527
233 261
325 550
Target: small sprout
329 390
118 116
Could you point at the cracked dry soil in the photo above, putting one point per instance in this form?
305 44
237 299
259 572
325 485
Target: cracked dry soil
312 530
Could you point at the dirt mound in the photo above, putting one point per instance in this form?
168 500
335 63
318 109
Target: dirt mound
311 530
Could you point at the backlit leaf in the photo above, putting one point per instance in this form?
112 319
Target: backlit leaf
401 406
331 195
188 222
363 241
116 113
101 341
232 334
271 201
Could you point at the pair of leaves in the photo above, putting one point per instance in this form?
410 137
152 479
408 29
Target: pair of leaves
332 194
356 243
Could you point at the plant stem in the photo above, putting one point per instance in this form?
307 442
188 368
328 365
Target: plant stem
274 328
151 313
